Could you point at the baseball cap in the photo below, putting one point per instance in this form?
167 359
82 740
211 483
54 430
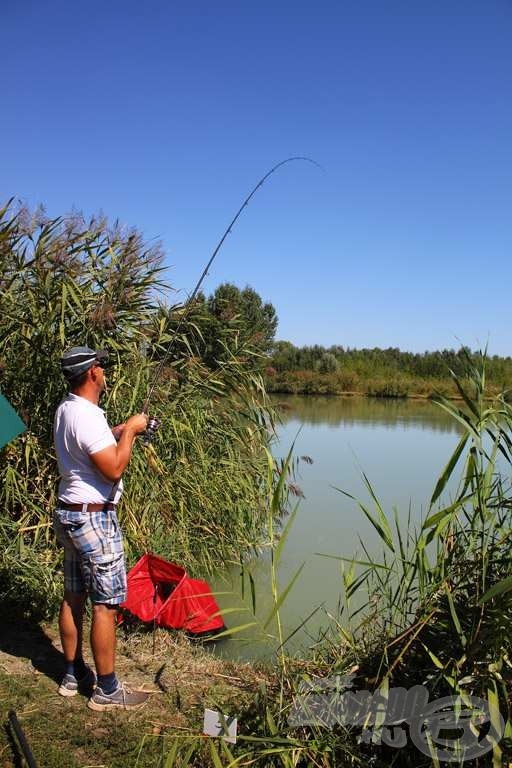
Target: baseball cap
77 360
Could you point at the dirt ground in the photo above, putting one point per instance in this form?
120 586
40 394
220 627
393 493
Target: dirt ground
183 679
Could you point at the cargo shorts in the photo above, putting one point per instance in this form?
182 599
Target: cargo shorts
93 553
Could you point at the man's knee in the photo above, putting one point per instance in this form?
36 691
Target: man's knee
104 610
74 599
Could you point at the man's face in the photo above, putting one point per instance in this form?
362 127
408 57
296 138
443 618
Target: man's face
100 377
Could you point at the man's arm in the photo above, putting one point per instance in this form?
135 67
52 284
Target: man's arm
112 461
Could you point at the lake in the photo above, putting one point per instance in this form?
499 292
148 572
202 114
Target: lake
401 445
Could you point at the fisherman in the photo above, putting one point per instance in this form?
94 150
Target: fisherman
91 459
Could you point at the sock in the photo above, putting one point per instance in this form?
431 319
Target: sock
77 668
108 683
80 668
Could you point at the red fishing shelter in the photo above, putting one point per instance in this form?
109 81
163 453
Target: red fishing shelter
161 592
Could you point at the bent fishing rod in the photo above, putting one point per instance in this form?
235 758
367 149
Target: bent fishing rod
153 422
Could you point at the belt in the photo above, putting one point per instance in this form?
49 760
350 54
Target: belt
107 506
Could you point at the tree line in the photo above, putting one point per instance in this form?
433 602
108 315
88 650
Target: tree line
233 319
371 362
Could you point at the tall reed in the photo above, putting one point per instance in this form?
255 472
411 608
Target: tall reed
196 495
434 609
438 607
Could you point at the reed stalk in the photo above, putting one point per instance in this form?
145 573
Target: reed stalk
196 496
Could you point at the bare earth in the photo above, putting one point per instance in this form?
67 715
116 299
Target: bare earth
183 678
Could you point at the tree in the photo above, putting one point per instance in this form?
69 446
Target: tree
327 363
284 356
234 320
258 321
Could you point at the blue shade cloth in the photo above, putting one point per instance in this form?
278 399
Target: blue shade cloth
10 423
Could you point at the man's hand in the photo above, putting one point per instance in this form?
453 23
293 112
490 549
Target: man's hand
112 461
137 423
117 431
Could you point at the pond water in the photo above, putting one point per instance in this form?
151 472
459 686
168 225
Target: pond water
402 447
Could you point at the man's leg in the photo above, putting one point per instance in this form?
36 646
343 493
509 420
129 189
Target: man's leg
107 590
70 624
103 637
109 693
71 615
72 609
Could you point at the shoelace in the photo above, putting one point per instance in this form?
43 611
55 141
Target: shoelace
126 690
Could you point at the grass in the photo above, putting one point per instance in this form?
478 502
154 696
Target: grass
185 679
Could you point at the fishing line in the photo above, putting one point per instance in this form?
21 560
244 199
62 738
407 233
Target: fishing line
153 423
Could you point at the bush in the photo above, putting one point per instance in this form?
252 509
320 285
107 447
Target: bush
388 388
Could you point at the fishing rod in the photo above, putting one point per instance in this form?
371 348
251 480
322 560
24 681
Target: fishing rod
22 739
152 421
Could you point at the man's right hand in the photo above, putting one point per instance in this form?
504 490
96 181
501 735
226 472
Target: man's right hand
112 461
137 424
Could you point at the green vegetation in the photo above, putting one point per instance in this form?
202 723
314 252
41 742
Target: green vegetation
231 322
196 495
233 316
375 372
435 609
184 678
437 612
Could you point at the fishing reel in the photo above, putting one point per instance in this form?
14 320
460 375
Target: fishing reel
152 427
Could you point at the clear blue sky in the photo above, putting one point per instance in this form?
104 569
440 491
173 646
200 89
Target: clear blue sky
165 114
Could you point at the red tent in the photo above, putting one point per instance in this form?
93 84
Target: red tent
161 592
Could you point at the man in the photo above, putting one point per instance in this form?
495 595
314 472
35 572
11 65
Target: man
91 459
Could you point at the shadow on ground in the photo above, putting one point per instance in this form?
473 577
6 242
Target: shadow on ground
26 646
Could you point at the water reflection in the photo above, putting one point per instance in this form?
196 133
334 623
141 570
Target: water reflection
352 411
401 445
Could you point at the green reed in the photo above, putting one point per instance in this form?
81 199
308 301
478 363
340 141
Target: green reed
196 494
435 608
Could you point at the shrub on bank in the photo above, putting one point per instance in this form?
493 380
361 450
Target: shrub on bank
346 381
396 387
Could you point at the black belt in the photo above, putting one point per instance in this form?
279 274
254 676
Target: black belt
107 506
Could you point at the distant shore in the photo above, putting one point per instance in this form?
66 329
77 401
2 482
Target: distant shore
307 382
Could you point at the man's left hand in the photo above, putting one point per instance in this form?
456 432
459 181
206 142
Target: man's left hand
118 431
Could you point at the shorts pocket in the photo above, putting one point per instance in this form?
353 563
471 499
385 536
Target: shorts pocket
108 579
71 521
110 563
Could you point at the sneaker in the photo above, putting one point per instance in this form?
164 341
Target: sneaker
70 685
122 698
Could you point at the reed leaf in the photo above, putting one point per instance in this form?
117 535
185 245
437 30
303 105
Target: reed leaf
448 470
282 597
503 586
